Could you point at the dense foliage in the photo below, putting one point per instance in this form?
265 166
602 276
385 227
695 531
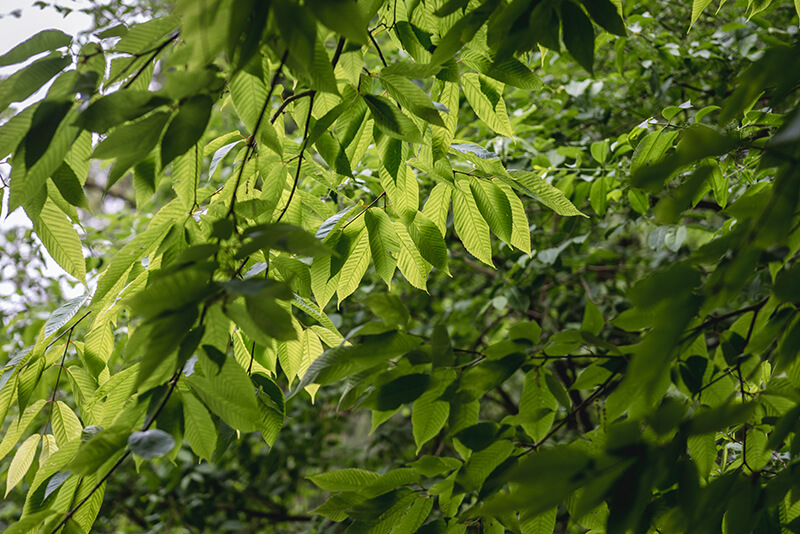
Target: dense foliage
593 213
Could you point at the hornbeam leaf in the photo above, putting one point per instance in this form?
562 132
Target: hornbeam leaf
62 314
410 262
21 462
61 240
470 224
410 96
391 120
479 95
27 81
354 266
118 107
43 41
578 34
382 241
534 186
605 13
151 443
186 128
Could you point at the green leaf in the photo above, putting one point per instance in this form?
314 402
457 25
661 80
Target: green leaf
27 81
101 448
45 122
199 429
186 128
469 223
509 71
593 321
344 480
342 16
698 6
410 96
61 240
66 425
428 416
63 314
21 462
598 196
229 393
429 241
382 240
131 143
118 107
248 93
391 120
494 206
43 41
354 266
605 13
69 186
409 260
534 186
151 443
578 34
485 98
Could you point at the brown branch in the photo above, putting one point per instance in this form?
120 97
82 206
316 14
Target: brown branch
288 101
299 159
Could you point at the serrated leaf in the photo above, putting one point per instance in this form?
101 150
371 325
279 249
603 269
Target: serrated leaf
118 107
131 143
100 448
43 41
534 186
30 79
66 425
470 224
21 462
390 120
578 35
382 241
428 416
151 443
229 393
429 241
494 114
411 97
186 128
61 240
494 207
410 262
63 314
438 206
698 6
344 479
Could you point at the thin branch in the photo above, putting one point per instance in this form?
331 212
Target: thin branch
58 378
299 160
62 334
338 53
252 356
155 53
251 144
360 213
173 381
288 101
378 48
599 391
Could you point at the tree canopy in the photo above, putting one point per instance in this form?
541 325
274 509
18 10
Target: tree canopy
398 266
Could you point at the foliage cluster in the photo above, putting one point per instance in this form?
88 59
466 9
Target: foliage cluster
596 327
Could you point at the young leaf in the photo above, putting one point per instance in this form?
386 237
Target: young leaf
486 100
61 240
22 462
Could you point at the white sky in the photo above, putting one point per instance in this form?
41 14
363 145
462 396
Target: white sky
12 32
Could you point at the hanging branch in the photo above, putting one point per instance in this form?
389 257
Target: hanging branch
61 365
172 383
251 143
299 158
